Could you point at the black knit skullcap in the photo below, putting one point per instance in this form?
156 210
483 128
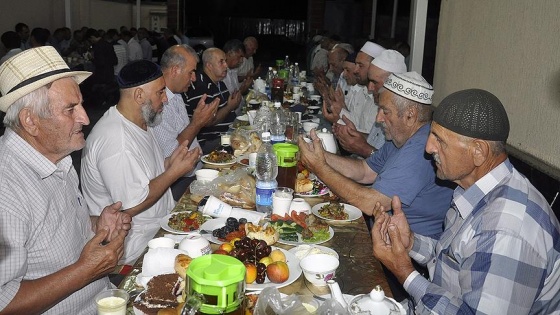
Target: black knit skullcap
351 57
473 113
137 73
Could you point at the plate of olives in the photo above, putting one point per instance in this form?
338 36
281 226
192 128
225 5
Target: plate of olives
219 230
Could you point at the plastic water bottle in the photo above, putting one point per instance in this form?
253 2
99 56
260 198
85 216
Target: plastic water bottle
266 172
262 120
287 62
278 124
269 76
295 75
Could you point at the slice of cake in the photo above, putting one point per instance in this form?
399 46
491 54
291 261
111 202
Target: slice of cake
161 292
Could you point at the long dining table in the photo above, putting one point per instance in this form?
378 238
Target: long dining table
358 273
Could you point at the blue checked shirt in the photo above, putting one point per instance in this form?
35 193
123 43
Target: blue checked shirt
499 252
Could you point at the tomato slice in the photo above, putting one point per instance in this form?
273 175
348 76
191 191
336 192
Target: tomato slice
276 217
297 219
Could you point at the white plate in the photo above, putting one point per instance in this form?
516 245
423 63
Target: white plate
205 160
300 242
137 311
164 223
295 272
310 194
353 212
211 225
243 157
306 250
243 117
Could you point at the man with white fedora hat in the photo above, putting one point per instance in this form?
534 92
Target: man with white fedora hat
400 167
55 257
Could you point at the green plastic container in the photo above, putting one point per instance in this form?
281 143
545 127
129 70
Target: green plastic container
220 279
286 154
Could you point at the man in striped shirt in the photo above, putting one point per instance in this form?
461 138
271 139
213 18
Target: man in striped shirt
499 252
210 83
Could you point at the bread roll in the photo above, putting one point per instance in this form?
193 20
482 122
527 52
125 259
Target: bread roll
303 185
269 234
182 262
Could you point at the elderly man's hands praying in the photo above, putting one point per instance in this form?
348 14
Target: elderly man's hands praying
98 259
312 154
350 138
183 160
204 113
114 220
234 99
392 239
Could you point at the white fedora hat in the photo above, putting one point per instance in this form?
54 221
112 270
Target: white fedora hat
30 70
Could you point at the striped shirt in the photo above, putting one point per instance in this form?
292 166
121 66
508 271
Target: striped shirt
204 85
499 252
44 223
174 120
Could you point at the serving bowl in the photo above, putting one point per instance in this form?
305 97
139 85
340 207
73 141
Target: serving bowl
206 175
319 268
308 125
195 245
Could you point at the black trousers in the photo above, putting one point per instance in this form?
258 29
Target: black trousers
179 187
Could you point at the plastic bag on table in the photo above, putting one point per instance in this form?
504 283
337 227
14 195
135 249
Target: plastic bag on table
235 187
245 141
331 307
270 302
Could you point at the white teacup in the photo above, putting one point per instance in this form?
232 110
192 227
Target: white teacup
195 245
281 200
300 205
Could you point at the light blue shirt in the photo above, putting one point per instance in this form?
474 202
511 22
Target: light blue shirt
409 173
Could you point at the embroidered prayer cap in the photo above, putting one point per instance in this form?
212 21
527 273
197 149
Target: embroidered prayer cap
138 72
372 49
410 85
390 61
474 113
351 57
30 70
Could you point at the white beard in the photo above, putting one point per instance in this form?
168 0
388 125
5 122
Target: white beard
151 117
